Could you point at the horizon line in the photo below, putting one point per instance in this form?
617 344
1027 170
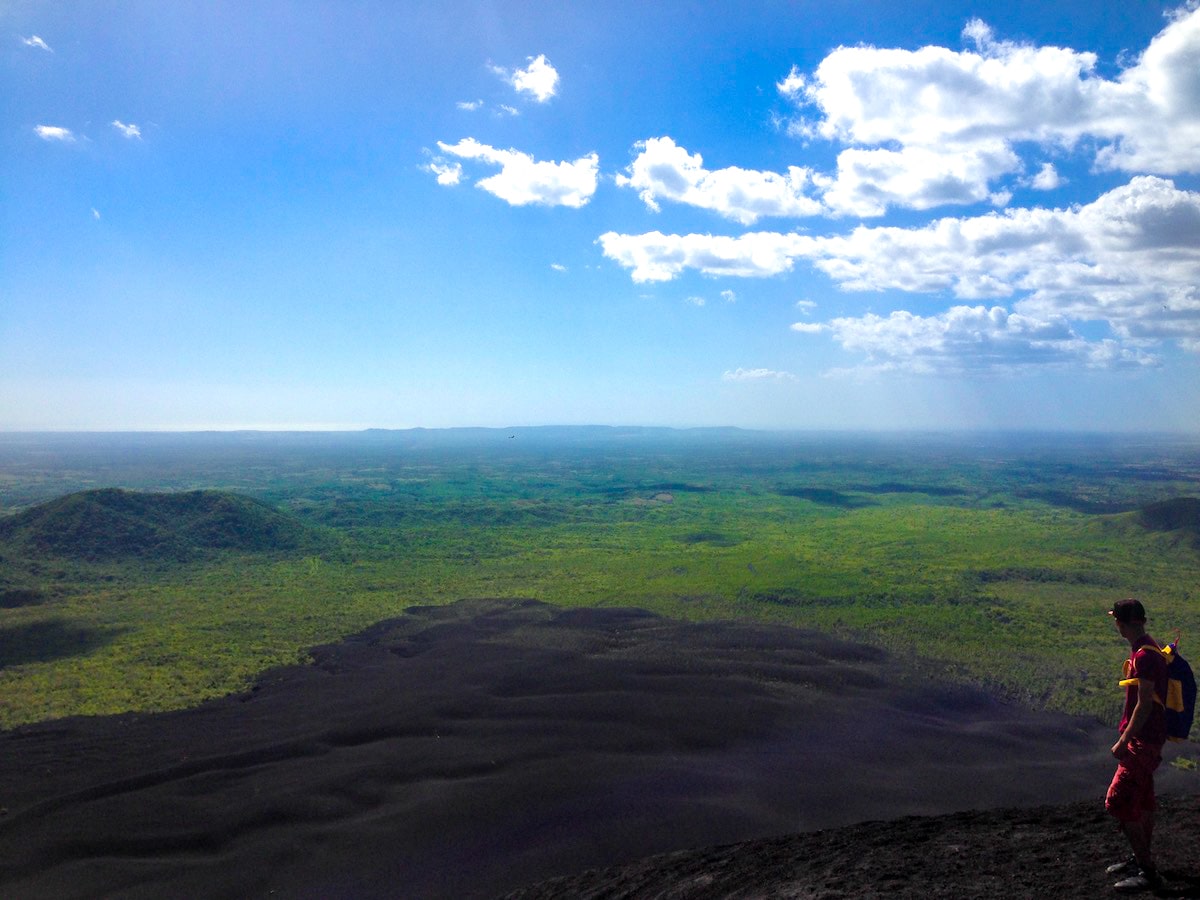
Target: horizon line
366 429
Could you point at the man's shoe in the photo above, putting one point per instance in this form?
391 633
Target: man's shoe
1124 868
1142 881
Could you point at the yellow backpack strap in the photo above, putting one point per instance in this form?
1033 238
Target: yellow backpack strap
1165 653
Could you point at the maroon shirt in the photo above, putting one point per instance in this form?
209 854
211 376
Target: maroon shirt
1146 663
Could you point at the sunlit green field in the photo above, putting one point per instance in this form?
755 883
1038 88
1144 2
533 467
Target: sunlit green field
983 564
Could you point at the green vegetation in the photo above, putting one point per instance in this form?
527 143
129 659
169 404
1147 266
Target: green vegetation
985 559
1180 514
119 524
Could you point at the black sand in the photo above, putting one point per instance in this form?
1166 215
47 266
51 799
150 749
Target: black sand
1058 852
469 750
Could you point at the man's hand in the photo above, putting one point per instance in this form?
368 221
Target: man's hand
1141 712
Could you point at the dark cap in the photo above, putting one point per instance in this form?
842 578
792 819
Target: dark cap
1128 610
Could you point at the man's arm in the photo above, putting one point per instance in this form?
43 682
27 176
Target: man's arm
1141 713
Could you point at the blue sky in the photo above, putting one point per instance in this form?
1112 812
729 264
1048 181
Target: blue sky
770 215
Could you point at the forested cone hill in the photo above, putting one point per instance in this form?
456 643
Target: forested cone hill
1179 514
112 524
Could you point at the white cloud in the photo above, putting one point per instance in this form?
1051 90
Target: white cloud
979 33
806 306
55 133
469 105
808 327
1152 112
695 301
129 131
35 41
1047 178
95 214
661 257
523 181
558 267
969 338
729 296
933 126
447 173
757 375
509 110
926 97
869 181
664 170
1131 258
538 79
793 85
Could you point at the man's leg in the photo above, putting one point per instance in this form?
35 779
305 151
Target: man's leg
1131 800
1140 835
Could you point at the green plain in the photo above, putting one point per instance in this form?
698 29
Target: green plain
988 560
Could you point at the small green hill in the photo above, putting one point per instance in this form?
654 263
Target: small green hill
114 524
1181 513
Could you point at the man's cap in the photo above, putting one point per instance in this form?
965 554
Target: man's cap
1128 610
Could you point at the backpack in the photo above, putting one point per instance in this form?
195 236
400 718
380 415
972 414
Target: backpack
1181 694
1180 705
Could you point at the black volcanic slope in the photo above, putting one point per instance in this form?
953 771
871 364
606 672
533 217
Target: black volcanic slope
468 750
1050 851
111 524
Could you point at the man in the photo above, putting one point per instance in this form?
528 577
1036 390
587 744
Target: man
1139 748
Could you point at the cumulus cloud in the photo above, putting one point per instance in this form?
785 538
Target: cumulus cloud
1131 258
129 131
522 180
661 257
757 375
1047 178
664 170
793 84
469 105
934 126
1151 113
930 96
868 182
558 267
808 327
729 296
55 133
976 338
695 301
447 173
35 41
538 80
979 33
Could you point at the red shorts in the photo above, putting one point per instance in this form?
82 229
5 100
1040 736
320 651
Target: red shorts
1131 793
